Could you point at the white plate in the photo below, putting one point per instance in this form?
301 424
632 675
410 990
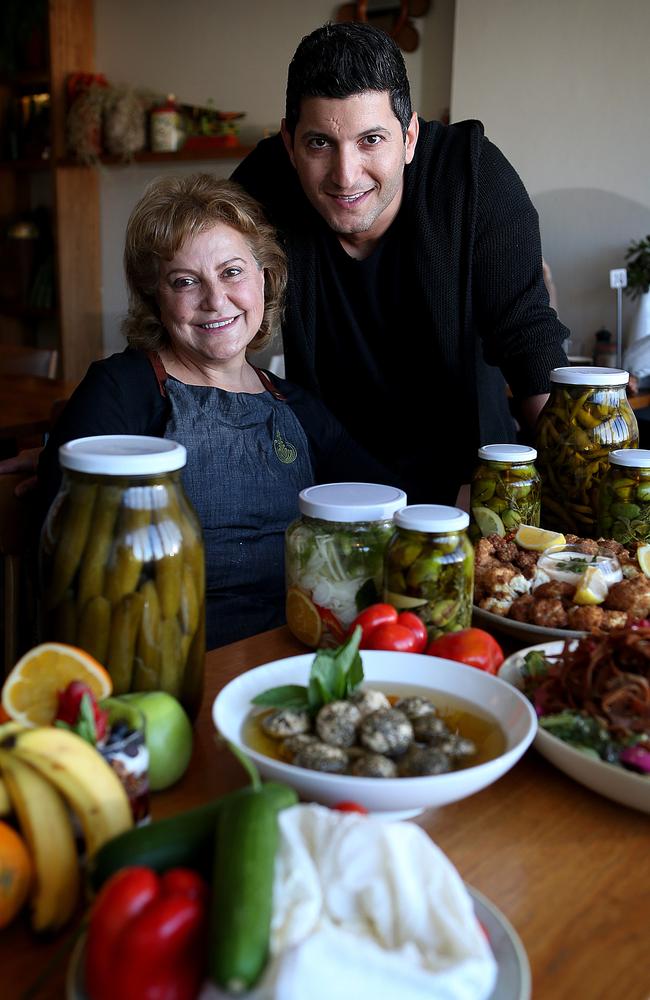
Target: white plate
519 630
513 970
613 782
397 797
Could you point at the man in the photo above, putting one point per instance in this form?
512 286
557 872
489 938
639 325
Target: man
415 264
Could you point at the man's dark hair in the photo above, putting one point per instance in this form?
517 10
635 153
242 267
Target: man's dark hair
339 60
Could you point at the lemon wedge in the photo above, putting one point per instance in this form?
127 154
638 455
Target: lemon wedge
538 539
643 557
488 521
592 587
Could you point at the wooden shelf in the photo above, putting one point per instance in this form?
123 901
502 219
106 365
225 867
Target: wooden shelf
35 163
146 156
26 312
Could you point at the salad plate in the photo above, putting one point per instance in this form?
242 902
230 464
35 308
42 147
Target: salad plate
520 630
513 980
613 782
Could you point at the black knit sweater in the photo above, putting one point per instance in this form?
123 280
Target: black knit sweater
477 261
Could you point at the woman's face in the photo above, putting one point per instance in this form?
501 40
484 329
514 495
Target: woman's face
211 296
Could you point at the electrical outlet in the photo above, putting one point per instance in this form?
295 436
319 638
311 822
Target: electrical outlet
618 278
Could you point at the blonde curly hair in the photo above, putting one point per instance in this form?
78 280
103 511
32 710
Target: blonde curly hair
173 210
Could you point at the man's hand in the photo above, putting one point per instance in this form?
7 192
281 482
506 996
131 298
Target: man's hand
530 409
25 462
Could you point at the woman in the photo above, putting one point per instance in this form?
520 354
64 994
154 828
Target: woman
205 277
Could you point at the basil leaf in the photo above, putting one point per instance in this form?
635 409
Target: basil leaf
292 696
354 676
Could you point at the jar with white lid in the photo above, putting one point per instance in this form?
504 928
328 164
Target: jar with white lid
122 564
334 557
429 567
586 417
624 499
505 490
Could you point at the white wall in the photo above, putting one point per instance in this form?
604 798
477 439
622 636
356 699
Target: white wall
237 55
562 87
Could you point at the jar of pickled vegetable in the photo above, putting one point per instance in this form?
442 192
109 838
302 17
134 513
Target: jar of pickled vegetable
624 498
122 565
586 417
429 567
505 490
334 557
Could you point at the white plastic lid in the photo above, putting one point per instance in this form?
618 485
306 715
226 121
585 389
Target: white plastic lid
632 457
432 517
507 453
122 455
351 501
589 375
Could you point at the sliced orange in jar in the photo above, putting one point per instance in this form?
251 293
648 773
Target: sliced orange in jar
30 692
303 618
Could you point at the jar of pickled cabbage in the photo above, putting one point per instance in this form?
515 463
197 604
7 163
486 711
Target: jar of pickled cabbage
586 417
624 499
505 490
334 557
122 565
429 567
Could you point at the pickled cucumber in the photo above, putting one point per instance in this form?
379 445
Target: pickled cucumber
75 525
438 580
125 624
98 547
624 504
503 495
576 431
94 627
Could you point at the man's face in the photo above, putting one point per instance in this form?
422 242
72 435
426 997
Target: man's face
350 154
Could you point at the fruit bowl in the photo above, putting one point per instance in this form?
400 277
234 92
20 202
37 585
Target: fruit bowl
443 681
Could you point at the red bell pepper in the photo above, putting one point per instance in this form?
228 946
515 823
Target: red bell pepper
146 936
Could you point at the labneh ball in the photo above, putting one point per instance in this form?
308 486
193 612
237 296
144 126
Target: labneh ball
414 707
337 722
429 728
457 746
318 756
386 731
373 765
368 700
420 761
290 747
284 722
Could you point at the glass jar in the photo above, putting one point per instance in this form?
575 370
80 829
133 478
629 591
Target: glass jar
429 567
505 490
586 417
122 565
334 557
624 498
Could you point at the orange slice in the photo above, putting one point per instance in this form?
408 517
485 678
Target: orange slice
30 692
303 618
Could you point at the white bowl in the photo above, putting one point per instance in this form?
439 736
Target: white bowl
395 796
615 783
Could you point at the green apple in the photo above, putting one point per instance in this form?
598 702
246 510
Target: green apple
168 735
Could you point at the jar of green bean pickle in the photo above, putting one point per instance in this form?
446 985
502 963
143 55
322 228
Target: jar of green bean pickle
586 417
624 498
429 567
505 490
122 565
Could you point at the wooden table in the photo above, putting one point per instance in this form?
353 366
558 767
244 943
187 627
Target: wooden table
26 403
570 869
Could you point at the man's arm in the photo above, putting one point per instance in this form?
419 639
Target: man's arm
530 409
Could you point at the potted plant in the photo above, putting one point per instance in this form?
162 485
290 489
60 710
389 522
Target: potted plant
637 259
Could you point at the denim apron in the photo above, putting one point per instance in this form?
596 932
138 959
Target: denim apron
247 460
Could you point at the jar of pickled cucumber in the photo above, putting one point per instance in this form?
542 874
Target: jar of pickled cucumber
586 417
334 557
122 565
624 498
429 567
505 490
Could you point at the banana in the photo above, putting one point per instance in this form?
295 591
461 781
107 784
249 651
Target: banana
47 828
83 777
5 801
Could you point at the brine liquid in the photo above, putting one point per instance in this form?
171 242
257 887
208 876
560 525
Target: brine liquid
458 714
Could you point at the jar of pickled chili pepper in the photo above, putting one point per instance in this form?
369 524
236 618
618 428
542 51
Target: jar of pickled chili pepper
624 498
586 417
505 490
429 567
122 565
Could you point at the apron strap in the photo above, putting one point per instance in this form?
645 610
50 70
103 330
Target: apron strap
159 371
265 379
